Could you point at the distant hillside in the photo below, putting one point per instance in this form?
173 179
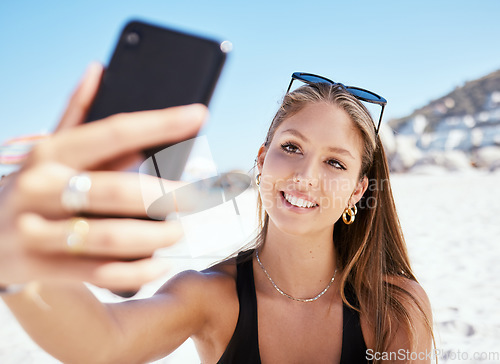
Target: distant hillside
469 99
457 131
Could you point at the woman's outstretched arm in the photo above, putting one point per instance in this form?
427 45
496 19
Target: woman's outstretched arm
67 321
35 226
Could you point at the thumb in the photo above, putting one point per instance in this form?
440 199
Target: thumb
82 97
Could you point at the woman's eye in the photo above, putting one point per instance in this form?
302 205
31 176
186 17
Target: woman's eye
290 148
336 164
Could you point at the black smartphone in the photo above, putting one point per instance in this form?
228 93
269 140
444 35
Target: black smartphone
154 67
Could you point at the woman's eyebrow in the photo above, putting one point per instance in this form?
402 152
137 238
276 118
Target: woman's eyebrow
341 151
337 150
297 133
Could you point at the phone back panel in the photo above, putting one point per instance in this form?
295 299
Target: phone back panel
153 68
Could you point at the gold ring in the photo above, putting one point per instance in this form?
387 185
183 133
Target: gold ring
77 234
75 196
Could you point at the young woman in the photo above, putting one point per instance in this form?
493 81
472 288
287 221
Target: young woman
327 281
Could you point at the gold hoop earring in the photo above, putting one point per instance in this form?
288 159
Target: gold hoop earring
257 180
351 211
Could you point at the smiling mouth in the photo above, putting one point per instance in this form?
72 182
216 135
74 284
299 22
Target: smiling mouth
297 201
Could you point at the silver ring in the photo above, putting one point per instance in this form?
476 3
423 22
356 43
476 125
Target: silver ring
75 196
77 235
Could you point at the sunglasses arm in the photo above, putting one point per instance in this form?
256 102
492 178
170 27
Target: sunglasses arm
380 118
290 85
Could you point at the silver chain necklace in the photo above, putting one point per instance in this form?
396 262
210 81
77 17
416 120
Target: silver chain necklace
286 294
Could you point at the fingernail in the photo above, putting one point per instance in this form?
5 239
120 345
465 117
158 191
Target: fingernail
92 72
92 68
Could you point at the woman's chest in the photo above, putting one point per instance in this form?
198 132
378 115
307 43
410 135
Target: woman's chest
299 332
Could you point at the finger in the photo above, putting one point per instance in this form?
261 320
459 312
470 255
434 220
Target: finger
40 190
119 276
96 143
82 98
114 275
130 161
130 194
109 238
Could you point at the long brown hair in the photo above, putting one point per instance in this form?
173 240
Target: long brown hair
373 248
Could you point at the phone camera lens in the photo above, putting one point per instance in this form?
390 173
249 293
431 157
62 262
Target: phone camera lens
132 38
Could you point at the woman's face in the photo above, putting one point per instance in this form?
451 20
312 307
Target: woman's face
310 170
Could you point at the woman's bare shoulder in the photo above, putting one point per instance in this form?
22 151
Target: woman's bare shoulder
198 304
417 304
213 280
211 299
414 289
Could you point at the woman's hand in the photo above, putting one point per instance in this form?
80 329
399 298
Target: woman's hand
41 233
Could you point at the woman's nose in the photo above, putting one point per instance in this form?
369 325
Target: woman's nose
306 175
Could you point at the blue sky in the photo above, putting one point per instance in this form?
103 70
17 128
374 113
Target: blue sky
410 52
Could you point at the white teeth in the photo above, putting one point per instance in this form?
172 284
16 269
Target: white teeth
299 202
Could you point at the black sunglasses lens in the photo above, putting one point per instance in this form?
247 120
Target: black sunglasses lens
312 79
364 94
360 93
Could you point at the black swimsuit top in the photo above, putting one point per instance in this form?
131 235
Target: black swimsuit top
244 345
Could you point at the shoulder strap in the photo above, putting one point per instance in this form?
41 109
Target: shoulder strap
244 345
353 343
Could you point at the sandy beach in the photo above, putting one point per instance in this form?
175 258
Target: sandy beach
452 227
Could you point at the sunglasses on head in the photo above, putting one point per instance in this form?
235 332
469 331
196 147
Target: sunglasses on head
359 93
